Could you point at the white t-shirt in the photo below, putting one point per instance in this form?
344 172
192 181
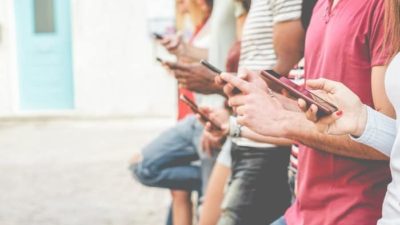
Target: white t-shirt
382 133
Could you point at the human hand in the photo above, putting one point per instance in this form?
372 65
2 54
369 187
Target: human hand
174 44
220 116
196 77
257 107
250 76
352 115
210 143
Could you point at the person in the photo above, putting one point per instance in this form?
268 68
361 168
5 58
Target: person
211 208
258 190
339 178
364 124
167 161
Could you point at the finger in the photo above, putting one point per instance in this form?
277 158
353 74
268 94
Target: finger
237 100
325 124
241 120
241 110
219 81
241 84
311 113
205 110
199 118
322 84
243 73
228 89
302 104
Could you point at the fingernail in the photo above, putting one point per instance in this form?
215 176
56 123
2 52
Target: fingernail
339 113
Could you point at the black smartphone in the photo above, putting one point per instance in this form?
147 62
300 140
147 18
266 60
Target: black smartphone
210 67
296 91
158 36
218 71
160 60
195 109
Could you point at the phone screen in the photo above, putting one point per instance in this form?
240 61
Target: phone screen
296 91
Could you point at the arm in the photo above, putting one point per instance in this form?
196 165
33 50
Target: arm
298 128
194 54
344 145
247 133
288 43
265 115
380 99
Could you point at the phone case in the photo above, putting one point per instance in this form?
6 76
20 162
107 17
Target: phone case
280 82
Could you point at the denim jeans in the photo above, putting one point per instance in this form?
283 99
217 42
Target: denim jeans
168 160
280 221
258 191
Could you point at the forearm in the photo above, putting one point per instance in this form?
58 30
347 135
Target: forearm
247 133
194 54
300 129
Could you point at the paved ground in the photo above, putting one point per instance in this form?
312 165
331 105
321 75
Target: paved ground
75 173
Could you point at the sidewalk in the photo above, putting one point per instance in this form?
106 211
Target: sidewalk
75 173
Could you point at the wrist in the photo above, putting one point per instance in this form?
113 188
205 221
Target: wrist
235 130
295 124
361 122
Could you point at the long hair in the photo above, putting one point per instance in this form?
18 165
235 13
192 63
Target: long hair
392 27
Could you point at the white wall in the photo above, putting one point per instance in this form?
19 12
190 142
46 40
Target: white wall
114 68
115 72
7 57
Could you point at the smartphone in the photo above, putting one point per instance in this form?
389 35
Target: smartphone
160 60
296 91
210 67
158 36
195 109
218 71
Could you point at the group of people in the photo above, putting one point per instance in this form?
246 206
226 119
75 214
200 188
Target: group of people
276 159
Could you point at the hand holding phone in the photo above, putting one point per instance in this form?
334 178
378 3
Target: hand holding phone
296 91
158 36
218 71
196 109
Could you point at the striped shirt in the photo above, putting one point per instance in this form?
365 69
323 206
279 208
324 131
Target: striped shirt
257 51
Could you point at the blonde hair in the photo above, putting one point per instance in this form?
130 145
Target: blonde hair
392 27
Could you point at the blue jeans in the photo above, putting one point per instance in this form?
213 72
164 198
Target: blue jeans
168 160
280 221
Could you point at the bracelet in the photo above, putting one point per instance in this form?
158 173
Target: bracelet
235 129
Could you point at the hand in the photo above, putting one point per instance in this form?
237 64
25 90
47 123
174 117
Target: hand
174 44
258 108
250 76
352 115
210 143
196 77
220 116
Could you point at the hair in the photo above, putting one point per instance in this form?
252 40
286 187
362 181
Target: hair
246 4
210 4
392 27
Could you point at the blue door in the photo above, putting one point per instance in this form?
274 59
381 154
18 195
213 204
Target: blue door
44 54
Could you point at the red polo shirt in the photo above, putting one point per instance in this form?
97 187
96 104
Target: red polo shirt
342 45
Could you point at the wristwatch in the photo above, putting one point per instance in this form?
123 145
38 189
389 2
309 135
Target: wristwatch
235 129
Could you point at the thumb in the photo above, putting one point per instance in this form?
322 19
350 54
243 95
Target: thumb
325 124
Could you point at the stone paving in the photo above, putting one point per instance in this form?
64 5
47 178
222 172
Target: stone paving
75 173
